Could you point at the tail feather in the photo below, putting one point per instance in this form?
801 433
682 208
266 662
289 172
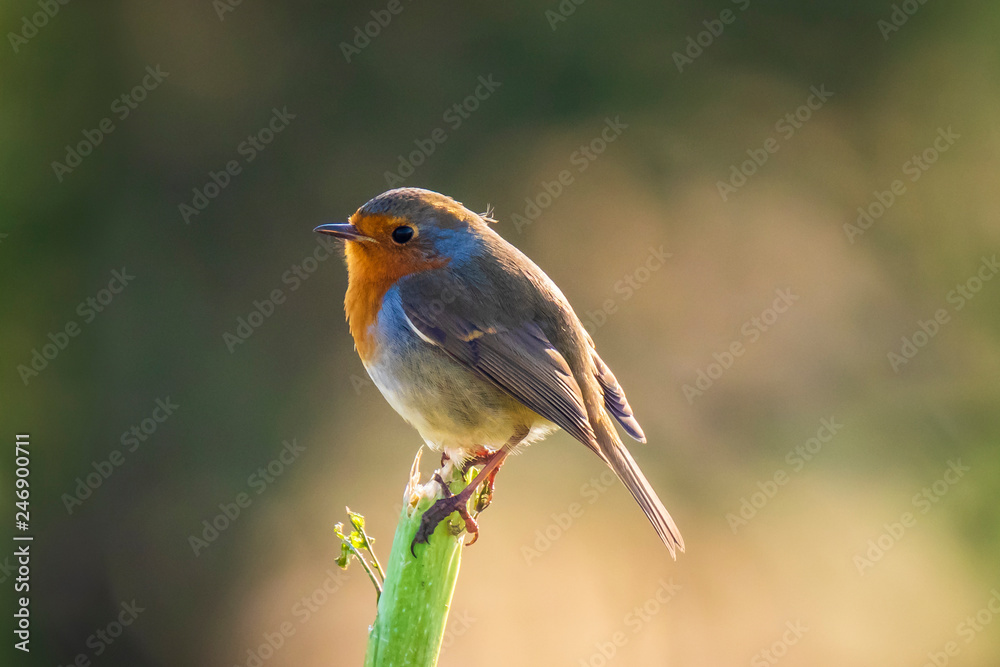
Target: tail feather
620 460
609 447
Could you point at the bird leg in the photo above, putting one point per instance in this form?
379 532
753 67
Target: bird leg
458 502
463 511
451 503
485 496
482 455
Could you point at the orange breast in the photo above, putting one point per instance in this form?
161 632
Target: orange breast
372 269
366 287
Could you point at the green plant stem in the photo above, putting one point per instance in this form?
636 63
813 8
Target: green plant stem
371 575
375 563
416 597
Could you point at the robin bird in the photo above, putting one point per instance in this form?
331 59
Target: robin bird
476 347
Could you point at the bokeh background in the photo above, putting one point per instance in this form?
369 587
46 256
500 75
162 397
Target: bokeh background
532 591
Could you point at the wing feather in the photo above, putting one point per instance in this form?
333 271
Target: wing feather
520 360
615 401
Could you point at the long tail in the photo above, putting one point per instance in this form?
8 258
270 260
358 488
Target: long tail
620 460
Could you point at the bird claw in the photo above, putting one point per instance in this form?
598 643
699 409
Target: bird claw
441 510
452 503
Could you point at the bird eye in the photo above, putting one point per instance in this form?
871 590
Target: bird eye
402 234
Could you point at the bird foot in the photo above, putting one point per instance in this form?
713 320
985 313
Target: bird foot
485 496
449 504
441 510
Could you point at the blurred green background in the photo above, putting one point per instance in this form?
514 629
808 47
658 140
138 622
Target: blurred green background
830 552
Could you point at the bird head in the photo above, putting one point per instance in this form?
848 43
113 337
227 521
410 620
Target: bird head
406 231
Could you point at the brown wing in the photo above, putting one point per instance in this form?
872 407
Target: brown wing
520 360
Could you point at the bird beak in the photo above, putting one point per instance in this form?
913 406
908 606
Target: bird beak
343 230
